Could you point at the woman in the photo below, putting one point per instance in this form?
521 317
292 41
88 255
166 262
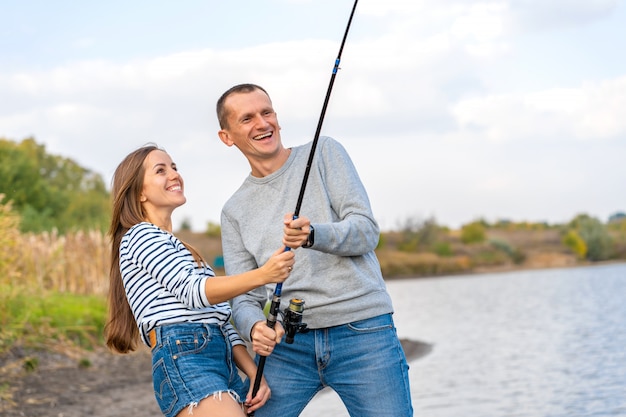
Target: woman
162 291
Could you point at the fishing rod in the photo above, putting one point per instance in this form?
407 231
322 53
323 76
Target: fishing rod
295 306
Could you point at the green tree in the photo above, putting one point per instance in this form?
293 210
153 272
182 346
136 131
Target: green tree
50 191
20 181
617 217
185 224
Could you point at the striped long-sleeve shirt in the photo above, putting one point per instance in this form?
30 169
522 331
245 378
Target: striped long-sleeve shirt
165 285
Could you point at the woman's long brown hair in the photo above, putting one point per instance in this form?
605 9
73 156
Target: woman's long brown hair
121 330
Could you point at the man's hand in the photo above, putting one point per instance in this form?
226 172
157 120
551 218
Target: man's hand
265 338
295 232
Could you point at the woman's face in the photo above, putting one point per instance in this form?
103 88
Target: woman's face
163 187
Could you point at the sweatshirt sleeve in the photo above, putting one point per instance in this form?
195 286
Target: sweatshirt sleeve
354 232
247 308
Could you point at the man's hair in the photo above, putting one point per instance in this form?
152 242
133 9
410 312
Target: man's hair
222 113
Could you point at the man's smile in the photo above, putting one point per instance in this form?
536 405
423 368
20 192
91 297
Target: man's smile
263 136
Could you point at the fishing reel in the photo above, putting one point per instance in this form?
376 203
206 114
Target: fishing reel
292 319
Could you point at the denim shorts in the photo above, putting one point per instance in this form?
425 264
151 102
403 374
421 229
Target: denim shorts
190 362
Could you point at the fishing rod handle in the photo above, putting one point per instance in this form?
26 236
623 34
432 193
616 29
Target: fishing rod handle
271 323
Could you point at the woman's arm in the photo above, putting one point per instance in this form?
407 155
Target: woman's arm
150 249
276 269
244 361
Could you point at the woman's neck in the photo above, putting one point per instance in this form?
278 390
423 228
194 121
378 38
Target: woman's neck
162 222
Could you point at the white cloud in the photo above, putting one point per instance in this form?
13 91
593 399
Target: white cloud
392 7
592 111
604 113
550 15
480 22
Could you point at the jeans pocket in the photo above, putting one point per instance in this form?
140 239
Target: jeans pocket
163 389
190 343
373 324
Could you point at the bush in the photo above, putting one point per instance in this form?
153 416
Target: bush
487 257
473 233
595 235
418 233
213 230
575 243
442 249
516 255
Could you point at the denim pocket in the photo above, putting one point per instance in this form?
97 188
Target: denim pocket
373 324
163 389
190 343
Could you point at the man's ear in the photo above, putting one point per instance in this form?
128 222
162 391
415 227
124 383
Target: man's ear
225 137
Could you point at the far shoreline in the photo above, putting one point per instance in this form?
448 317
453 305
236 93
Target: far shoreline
503 269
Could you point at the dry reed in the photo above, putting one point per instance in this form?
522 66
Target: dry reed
76 263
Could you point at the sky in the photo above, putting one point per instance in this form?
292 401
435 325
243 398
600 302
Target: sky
452 110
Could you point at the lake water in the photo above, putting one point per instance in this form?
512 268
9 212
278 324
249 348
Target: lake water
542 343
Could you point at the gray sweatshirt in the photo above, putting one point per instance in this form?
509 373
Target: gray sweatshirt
339 278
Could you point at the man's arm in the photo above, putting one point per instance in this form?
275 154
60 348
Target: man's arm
354 232
247 308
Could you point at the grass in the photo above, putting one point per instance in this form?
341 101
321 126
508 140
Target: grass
45 318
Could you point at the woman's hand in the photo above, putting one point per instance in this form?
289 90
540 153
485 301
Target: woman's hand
245 363
263 394
279 266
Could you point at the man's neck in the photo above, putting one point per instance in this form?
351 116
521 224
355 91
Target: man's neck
263 167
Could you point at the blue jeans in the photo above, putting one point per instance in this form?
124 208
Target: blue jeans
362 361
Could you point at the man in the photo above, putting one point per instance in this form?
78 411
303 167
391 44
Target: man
352 345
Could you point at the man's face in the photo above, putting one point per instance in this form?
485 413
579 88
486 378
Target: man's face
252 125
